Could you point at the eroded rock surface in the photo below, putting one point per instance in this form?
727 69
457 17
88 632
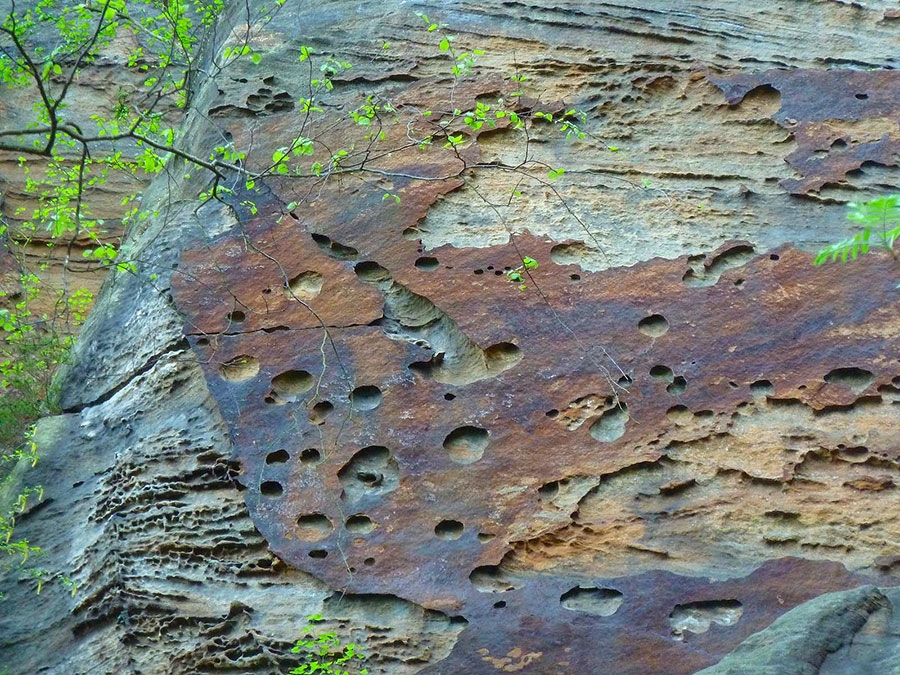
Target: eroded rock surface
676 433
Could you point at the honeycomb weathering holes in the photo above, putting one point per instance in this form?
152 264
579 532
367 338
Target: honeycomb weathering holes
611 424
320 411
502 355
292 383
449 529
313 527
240 368
654 326
277 457
697 617
678 386
271 488
857 379
492 579
427 264
371 471
366 397
466 444
359 523
592 600
310 456
334 249
679 414
371 272
306 285
762 388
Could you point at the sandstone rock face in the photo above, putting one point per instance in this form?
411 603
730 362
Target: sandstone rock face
672 437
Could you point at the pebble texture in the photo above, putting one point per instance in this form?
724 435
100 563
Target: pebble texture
676 434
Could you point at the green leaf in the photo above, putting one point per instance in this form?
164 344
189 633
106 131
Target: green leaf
444 45
553 174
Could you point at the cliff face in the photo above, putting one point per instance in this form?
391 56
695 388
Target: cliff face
659 441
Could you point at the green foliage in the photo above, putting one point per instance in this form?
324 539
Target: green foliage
64 159
324 653
880 220
16 553
519 273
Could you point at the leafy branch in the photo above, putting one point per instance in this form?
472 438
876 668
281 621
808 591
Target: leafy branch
880 219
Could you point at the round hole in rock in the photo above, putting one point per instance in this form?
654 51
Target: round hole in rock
313 527
654 326
292 383
592 600
762 388
485 537
277 457
427 263
359 523
236 316
552 413
203 341
369 478
368 562
310 456
774 256
548 491
861 97
855 378
492 579
678 386
449 397
371 272
370 471
478 272
449 529
575 277
699 617
679 414
306 285
318 553
367 397
611 424
500 604
662 373
271 488
466 444
239 369
320 411
270 400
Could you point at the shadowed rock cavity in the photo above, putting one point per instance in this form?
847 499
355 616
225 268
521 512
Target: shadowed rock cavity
592 600
413 317
697 617
371 471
